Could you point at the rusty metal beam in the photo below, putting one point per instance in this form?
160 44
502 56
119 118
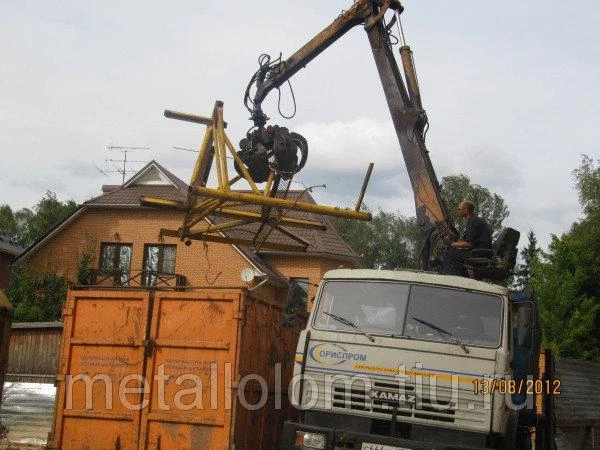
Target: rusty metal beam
204 160
192 218
286 221
234 241
240 164
364 187
163 203
253 217
282 203
209 228
191 118
291 235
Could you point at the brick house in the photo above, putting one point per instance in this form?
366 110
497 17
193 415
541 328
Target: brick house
121 240
9 251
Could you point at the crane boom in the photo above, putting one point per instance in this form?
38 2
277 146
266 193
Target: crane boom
409 119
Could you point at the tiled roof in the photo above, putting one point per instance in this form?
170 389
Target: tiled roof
8 245
130 195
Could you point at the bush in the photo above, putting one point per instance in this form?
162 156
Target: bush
37 298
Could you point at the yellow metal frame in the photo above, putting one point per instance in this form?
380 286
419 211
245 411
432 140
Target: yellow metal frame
222 201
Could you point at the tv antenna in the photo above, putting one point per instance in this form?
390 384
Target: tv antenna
120 165
185 149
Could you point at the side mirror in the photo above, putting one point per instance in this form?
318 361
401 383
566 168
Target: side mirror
525 324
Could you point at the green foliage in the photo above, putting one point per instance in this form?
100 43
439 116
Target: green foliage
389 241
587 180
566 284
37 298
26 226
48 212
530 255
567 279
8 224
14 223
84 263
489 206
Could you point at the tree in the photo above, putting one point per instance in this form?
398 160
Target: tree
389 241
49 211
587 181
489 206
529 256
567 279
8 224
26 226
37 298
14 223
569 301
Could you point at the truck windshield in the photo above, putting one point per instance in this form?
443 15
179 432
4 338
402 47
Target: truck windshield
390 308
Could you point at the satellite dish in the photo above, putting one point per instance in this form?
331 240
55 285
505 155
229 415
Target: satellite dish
248 274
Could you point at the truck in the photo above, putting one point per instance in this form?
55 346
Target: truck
416 360
394 360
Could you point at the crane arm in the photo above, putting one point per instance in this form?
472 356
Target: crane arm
404 102
433 218
272 77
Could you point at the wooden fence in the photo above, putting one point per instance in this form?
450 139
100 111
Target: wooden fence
33 352
577 408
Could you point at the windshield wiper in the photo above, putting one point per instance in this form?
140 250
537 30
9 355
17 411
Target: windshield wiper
442 332
350 324
399 336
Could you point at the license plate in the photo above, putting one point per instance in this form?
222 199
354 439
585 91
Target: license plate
369 446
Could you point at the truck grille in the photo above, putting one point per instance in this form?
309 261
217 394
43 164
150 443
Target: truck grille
385 397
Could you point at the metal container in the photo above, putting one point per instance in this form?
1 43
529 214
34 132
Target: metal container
6 312
165 369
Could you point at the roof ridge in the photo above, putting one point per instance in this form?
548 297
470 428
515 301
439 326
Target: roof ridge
173 179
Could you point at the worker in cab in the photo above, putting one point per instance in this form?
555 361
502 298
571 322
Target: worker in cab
477 235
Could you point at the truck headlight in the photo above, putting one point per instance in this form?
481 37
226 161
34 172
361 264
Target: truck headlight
310 440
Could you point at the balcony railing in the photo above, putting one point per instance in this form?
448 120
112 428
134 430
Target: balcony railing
144 278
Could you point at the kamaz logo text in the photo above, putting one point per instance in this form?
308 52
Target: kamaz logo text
392 397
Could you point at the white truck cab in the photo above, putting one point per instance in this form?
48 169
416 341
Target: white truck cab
404 359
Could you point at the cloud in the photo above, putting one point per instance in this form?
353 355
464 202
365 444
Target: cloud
485 165
340 151
339 154
510 118
350 146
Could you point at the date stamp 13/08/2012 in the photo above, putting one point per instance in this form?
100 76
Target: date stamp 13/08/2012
501 386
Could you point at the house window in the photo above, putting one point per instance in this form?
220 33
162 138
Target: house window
158 259
117 259
299 292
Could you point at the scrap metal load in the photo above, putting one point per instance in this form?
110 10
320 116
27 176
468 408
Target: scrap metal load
263 217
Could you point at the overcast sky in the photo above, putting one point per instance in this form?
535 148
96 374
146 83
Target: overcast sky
510 88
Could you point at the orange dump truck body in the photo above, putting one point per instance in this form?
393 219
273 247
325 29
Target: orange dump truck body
198 369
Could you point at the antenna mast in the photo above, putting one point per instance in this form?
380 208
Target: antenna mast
124 150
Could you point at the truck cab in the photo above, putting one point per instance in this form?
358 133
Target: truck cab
408 359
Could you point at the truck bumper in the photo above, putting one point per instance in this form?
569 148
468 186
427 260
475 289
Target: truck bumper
348 439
